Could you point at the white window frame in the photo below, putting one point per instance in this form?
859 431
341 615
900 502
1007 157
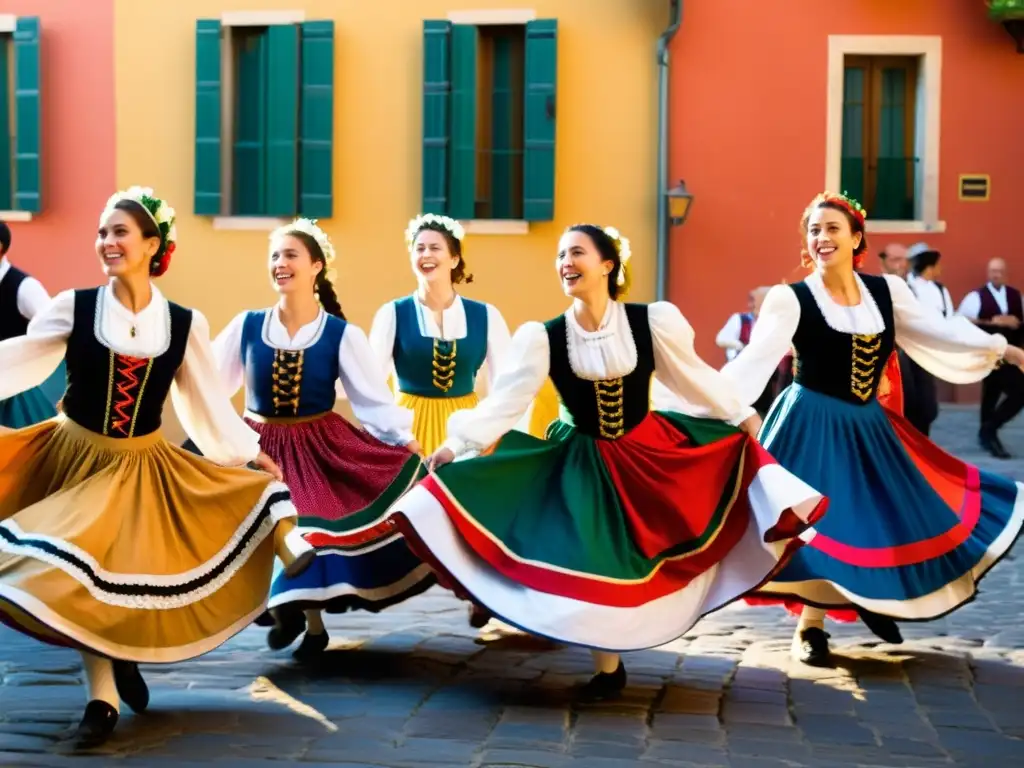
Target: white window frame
481 18
8 26
927 120
228 21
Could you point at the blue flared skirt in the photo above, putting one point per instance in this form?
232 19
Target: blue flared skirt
36 404
910 529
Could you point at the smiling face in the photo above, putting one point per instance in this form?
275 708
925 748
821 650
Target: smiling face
830 238
431 257
580 266
292 268
123 248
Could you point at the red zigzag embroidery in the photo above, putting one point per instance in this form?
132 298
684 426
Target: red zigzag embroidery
127 368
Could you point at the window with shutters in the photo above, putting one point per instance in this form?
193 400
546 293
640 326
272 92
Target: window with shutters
880 166
883 123
489 120
264 119
20 178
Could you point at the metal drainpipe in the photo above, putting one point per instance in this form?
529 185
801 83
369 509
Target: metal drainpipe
675 17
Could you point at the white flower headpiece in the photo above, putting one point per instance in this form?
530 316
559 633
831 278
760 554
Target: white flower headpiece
309 227
162 214
622 246
447 222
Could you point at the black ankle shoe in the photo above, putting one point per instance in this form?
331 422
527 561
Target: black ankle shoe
603 686
882 626
811 647
287 627
97 725
478 616
130 686
312 647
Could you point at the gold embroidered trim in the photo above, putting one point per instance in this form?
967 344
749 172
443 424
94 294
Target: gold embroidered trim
286 380
442 372
864 364
610 419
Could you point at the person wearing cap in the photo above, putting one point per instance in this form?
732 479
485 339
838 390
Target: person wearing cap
997 308
922 406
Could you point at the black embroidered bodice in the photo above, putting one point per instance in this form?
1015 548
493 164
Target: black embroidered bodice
842 365
113 394
12 323
607 408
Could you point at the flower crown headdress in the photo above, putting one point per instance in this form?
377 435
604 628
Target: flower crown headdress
622 247
448 223
852 205
310 227
163 217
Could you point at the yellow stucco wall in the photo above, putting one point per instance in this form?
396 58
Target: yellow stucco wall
606 132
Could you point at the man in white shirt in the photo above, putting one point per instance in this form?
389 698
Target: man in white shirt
894 260
997 308
735 334
922 408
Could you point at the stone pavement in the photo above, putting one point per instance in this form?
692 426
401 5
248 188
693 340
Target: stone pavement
410 687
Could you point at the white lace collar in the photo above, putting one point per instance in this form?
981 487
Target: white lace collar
863 318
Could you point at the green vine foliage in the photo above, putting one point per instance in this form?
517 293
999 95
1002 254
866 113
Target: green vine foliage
1000 9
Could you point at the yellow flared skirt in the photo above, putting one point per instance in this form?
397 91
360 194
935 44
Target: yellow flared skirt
131 548
430 416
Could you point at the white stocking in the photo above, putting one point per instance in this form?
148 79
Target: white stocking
314 622
811 618
99 677
605 662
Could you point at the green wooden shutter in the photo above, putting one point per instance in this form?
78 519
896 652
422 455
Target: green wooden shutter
539 120
853 167
27 116
436 101
6 168
894 197
282 188
462 158
207 197
316 127
249 153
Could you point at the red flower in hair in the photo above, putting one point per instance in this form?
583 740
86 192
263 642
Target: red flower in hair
160 265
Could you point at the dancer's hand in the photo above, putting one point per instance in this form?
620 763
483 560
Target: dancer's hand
751 425
414 447
441 457
267 464
1014 356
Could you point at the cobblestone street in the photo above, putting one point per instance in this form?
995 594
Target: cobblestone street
412 687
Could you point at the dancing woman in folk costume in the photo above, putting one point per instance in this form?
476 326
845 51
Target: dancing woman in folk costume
113 541
625 526
342 478
21 298
435 342
910 530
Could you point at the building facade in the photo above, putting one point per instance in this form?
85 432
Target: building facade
56 134
912 107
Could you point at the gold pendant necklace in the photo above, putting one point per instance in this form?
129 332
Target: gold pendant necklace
132 332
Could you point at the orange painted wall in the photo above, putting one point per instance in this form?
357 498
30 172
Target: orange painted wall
77 65
748 111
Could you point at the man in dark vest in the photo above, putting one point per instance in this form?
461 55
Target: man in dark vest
735 335
22 298
996 307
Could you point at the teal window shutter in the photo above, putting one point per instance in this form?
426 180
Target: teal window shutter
27 117
249 156
852 177
539 120
462 158
894 194
282 189
316 126
436 101
6 169
207 200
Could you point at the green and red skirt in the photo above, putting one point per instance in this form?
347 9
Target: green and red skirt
613 544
